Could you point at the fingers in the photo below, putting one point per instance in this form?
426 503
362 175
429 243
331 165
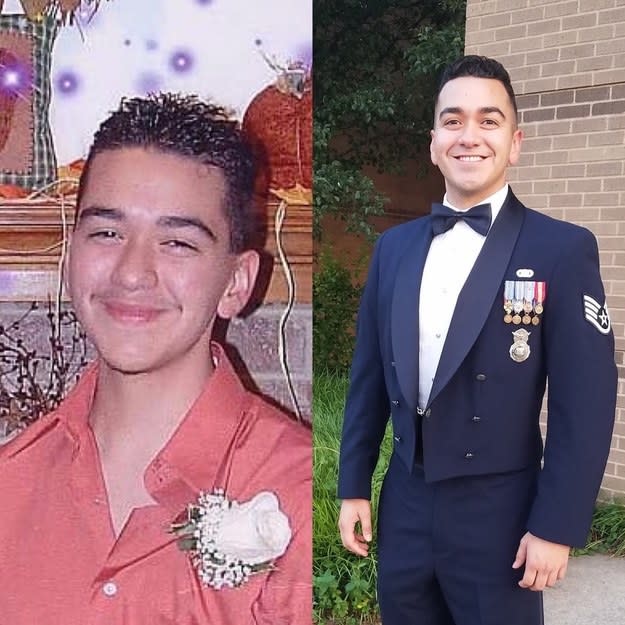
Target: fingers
545 562
354 512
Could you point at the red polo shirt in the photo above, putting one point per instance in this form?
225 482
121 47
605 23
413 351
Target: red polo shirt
60 562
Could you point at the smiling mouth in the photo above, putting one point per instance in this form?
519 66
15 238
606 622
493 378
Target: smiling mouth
131 313
470 159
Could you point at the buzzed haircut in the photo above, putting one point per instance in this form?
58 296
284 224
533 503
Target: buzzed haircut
186 126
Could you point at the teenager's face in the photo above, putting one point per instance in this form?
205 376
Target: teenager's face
149 265
474 139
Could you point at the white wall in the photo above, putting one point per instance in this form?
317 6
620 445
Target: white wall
131 47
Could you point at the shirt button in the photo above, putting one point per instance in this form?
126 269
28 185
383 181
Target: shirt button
468 455
428 412
480 377
438 335
110 589
476 419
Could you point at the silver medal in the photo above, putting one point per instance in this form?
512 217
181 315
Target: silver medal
520 349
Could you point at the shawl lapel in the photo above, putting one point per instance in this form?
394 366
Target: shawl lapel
476 298
405 312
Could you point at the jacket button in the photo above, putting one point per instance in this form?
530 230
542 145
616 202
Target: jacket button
397 439
476 419
468 455
480 377
395 402
428 412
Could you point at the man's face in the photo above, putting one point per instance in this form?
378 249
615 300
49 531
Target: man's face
150 265
475 138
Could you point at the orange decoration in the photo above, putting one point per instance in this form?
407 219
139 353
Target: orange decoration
13 192
278 122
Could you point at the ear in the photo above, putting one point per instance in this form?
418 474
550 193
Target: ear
241 285
515 148
432 154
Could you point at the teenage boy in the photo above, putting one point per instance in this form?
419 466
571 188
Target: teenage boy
92 492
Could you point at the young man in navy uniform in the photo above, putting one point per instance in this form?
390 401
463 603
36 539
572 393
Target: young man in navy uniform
466 314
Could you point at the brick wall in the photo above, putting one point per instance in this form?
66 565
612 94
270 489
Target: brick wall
567 62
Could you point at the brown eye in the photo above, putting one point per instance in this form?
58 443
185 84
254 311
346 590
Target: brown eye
177 244
104 235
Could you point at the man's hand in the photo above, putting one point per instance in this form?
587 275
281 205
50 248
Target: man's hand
352 512
545 562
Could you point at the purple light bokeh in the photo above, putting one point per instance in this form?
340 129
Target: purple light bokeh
15 76
181 61
67 82
204 2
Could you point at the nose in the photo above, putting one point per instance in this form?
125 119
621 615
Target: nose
135 268
470 134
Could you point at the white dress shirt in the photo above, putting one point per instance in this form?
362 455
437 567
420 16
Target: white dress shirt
450 259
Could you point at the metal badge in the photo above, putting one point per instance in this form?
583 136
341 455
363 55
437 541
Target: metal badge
520 349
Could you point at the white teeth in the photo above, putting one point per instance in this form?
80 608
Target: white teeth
470 159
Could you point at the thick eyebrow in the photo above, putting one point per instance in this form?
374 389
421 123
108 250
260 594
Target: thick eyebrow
485 110
168 221
176 221
99 211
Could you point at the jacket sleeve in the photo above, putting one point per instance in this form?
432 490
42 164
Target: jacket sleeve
367 405
581 375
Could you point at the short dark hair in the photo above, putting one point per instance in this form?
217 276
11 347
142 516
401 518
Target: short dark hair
188 127
479 67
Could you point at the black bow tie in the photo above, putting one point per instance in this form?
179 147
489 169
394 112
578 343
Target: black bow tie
445 218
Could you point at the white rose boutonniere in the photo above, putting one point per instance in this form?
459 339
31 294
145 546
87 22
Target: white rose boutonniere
229 541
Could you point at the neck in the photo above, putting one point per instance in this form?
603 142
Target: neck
137 414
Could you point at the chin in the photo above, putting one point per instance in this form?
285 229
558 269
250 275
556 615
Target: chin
129 365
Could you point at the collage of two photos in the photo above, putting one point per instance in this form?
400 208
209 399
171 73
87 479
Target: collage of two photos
312 312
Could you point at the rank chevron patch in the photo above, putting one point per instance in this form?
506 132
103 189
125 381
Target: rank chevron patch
596 314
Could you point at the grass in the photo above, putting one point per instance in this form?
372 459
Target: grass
607 532
344 584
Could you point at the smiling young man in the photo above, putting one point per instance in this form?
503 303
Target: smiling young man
91 491
466 314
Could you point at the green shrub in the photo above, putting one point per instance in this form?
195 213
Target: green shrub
335 301
607 532
344 584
